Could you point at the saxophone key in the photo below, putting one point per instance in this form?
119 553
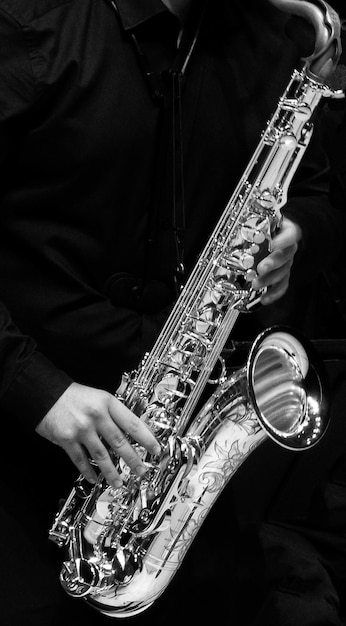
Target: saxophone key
79 577
250 276
83 488
255 227
288 142
240 260
300 109
169 389
265 199
160 419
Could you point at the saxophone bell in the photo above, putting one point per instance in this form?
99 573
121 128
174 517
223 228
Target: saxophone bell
286 387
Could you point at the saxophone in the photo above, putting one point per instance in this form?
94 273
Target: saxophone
124 545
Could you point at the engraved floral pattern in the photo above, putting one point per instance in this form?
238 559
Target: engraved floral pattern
182 544
227 458
224 466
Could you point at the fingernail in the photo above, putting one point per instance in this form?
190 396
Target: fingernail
140 470
116 483
157 449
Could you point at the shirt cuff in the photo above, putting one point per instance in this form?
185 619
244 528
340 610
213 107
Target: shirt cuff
37 386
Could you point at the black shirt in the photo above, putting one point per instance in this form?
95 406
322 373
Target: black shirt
86 178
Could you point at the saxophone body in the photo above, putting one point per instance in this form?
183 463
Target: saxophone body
124 545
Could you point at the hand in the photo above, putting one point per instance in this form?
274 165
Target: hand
274 270
78 420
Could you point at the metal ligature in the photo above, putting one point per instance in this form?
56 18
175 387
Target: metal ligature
124 545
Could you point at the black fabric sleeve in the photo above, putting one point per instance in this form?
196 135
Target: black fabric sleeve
323 224
29 383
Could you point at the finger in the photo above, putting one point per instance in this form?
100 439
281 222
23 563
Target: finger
272 278
275 293
276 259
100 455
133 425
80 459
289 234
283 239
118 442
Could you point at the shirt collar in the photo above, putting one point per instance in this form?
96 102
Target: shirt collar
135 12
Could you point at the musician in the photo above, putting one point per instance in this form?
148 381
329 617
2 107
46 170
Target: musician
93 248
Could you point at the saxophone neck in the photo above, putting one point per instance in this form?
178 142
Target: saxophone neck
326 23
